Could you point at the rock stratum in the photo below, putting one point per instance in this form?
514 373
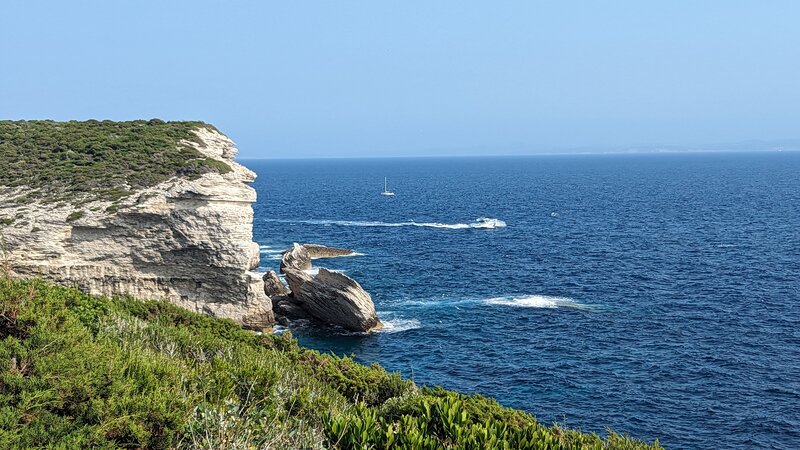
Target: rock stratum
334 298
187 239
326 296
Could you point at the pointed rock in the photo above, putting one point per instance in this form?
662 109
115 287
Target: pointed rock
273 286
296 257
316 251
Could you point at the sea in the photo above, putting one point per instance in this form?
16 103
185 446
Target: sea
653 294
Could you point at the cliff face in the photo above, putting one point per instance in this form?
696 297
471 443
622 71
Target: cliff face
186 240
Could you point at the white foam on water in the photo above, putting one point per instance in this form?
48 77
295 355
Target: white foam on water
435 302
398 325
480 223
279 329
535 301
351 254
315 270
269 252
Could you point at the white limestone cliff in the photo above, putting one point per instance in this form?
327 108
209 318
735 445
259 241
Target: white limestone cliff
188 241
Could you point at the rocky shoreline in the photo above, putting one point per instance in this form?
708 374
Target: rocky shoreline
185 236
327 297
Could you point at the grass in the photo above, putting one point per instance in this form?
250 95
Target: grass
80 371
98 160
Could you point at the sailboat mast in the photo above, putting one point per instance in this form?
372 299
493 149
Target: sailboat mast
385 186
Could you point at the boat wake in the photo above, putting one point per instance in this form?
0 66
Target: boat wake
536 301
514 301
481 223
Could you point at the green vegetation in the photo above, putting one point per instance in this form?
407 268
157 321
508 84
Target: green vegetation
75 215
98 160
88 372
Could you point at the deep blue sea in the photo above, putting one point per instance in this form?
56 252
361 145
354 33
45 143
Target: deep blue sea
658 295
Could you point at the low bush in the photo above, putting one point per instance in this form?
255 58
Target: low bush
75 215
79 371
78 162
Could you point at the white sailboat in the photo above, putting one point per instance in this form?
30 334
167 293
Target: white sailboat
386 190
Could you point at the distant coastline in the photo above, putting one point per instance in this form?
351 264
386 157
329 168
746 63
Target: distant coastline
780 146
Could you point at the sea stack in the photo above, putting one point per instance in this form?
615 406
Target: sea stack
296 258
317 251
329 297
334 298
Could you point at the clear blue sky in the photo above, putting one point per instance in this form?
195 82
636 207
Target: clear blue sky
342 78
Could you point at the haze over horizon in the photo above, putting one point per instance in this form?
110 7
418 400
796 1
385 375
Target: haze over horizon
414 78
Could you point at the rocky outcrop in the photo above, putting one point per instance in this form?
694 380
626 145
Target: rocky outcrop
295 279
296 258
300 255
186 240
317 251
333 298
328 297
287 309
273 286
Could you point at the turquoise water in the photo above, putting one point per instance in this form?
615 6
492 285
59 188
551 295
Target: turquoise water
653 294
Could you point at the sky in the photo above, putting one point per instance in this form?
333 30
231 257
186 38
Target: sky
408 78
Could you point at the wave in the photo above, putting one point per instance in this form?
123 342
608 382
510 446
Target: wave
536 301
480 223
270 252
351 254
315 270
399 325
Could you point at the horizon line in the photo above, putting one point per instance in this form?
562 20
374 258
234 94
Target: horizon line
512 155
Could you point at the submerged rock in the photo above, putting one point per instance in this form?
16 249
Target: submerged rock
296 258
334 298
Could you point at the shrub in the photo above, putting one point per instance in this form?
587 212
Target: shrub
446 422
75 215
90 372
98 160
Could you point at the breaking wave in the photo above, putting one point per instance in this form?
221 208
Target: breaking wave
269 252
399 325
315 270
481 223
